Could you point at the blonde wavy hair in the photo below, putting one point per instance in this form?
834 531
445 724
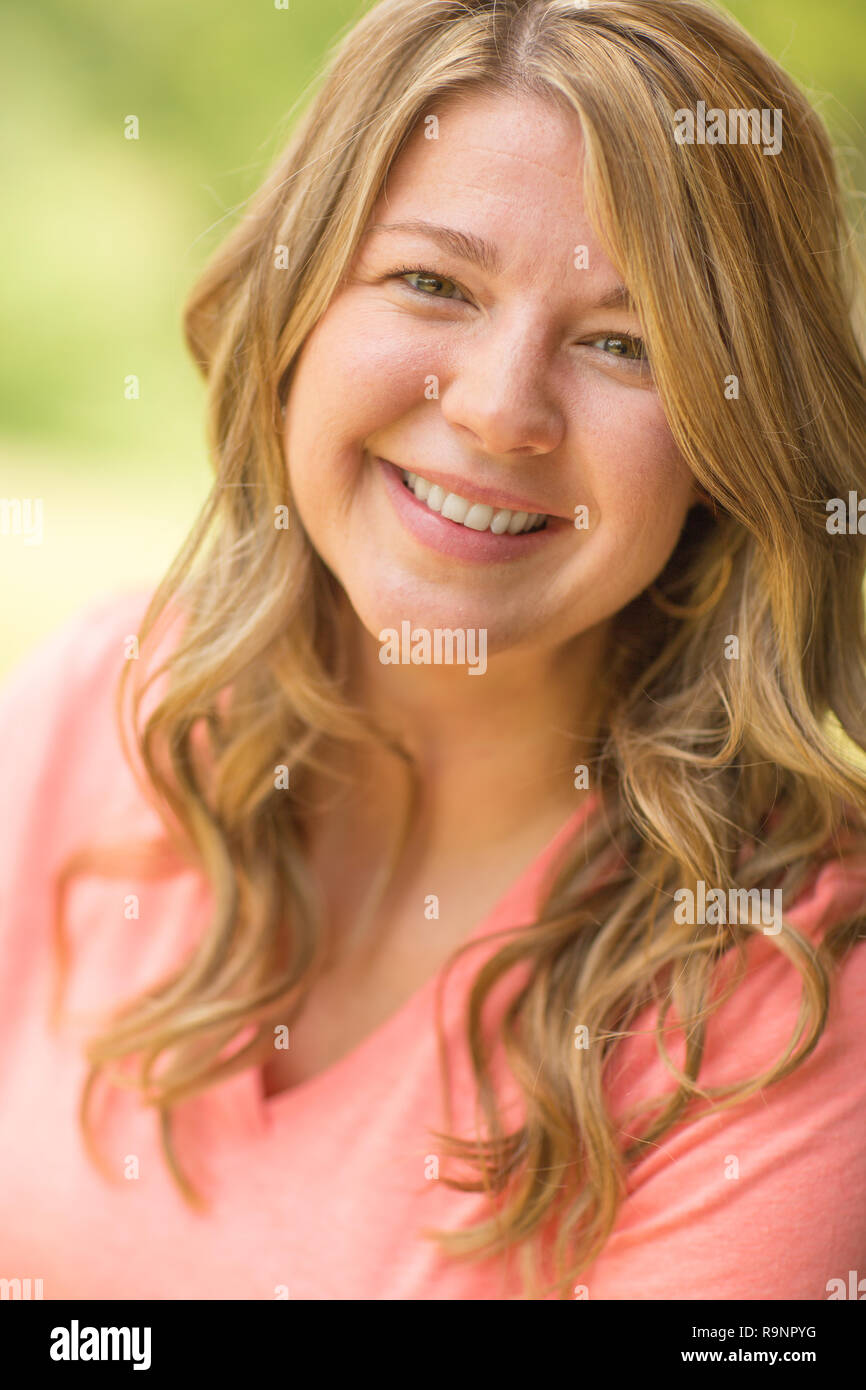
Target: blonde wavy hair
739 264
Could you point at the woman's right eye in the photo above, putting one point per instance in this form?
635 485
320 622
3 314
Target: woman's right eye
429 276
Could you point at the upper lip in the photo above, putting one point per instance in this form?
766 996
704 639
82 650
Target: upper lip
472 491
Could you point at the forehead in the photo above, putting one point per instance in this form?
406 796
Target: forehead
506 168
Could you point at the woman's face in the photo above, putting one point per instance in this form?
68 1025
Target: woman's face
504 381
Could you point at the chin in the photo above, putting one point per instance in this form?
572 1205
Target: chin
424 609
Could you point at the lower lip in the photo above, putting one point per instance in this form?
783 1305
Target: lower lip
450 538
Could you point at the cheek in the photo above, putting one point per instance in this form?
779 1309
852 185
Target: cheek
356 373
359 368
639 481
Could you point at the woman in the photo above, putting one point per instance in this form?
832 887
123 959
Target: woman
514 639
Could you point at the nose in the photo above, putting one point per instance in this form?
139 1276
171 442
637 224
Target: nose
500 392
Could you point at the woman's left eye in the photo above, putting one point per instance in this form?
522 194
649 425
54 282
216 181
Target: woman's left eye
624 346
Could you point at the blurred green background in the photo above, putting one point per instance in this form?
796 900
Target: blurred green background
103 237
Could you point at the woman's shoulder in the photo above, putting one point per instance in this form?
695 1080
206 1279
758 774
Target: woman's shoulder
74 654
59 744
762 990
766 1198
80 830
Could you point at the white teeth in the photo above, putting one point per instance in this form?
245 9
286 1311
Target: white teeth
455 508
477 516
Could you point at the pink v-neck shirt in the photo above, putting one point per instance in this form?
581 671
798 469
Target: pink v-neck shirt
322 1191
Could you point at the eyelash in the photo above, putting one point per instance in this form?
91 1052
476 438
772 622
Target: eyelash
629 338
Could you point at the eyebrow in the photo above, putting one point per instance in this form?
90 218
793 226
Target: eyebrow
464 244
617 298
470 247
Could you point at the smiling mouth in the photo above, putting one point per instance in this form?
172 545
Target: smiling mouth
475 516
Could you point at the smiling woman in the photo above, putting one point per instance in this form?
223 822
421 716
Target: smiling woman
526 402
496 362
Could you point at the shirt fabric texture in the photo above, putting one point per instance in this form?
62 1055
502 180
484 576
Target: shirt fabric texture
320 1192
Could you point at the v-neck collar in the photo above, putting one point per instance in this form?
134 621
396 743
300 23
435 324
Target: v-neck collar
518 900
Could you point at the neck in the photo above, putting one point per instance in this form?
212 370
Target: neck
495 752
